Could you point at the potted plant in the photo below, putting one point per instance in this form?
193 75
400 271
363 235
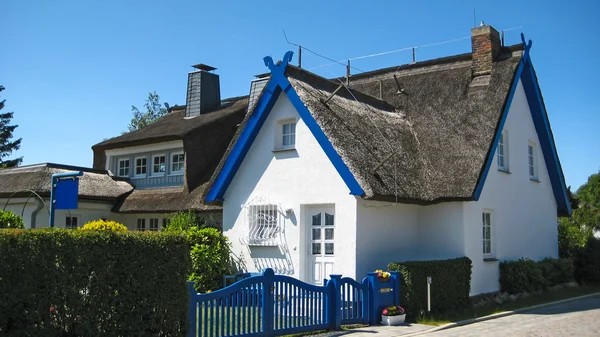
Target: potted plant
383 276
393 315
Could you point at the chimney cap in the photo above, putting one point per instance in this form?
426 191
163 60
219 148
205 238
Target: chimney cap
202 66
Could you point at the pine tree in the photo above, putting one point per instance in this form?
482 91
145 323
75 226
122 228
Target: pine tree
6 134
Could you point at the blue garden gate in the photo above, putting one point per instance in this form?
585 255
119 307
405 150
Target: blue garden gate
275 305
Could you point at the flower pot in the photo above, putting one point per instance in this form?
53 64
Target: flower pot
382 279
392 320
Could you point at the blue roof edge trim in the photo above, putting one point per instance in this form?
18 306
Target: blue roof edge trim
277 84
542 125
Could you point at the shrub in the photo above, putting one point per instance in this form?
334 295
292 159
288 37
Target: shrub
57 282
451 284
523 275
557 271
104 225
571 237
210 258
10 220
587 262
182 221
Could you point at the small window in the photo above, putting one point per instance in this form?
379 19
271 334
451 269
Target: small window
158 165
123 170
487 233
503 152
177 160
71 222
141 225
263 223
288 135
154 224
140 166
532 161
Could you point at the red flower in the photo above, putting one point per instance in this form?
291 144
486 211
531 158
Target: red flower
51 310
378 274
385 312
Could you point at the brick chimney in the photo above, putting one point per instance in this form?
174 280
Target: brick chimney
485 42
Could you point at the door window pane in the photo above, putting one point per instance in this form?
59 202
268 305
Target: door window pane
316 248
328 233
329 249
316 234
316 220
328 219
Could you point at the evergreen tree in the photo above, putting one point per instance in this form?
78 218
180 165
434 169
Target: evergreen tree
6 134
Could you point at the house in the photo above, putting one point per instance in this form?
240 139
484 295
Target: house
170 161
140 177
25 191
439 159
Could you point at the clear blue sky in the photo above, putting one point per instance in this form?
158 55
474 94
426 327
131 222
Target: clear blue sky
72 69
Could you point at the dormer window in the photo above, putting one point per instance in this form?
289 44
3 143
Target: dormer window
158 165
177 162
140 167
123 169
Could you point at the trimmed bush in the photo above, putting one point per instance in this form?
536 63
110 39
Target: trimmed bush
587 262
523 275
182 221
104 225
451 284
210 258
10 220
58 282
557 271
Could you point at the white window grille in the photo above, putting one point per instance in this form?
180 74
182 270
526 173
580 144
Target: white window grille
264 222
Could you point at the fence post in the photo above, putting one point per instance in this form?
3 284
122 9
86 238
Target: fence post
192 309
268 301
373 303
366 300
335 302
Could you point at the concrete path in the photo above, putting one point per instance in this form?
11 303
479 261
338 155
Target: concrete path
575 318
380 330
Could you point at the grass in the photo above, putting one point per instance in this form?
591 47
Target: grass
492 308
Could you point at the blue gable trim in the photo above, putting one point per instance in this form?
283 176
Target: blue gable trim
277 84
542 126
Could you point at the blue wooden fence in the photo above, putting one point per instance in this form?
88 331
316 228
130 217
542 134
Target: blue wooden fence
275 305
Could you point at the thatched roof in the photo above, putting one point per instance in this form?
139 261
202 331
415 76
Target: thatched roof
94 184
428 143
165 200
173 126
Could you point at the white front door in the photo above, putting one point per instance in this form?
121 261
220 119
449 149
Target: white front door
321 246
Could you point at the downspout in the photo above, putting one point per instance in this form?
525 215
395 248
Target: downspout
39 207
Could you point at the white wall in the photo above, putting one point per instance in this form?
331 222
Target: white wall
524 218
386 233
87 211
292 179
441 231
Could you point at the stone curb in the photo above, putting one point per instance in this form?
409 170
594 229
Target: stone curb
497 315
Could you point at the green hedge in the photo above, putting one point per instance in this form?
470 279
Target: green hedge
451 284
10 220
587 262
89 283
210 258
525 275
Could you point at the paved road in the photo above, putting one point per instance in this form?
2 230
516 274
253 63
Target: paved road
575 318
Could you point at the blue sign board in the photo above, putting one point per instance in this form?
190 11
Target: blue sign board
65 193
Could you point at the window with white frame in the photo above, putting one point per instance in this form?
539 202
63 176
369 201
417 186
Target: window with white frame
177 160
288 135
140 166
263 223
159 165
123 167
141 224
71 222
503 152
487 233
154 224
532 161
